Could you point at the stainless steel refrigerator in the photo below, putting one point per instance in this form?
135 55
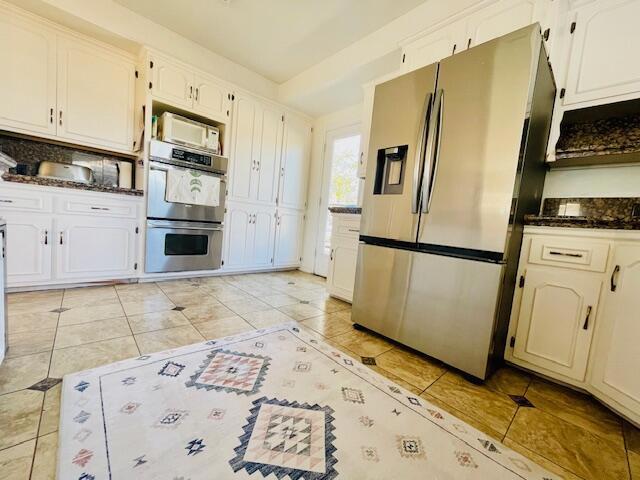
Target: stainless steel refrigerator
456 159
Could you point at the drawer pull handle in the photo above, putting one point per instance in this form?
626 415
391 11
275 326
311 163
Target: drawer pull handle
614 278
61 242
566 254
46 237
354 230
586 319
6 201
105 209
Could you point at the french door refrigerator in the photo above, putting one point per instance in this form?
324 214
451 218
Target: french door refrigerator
456 159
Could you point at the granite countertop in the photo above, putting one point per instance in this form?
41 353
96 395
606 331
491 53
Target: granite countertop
606 213
51 182
582 222
354 210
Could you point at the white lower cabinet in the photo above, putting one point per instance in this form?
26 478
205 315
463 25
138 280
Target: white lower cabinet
29 243
55 241
89 247
577 321
289 228
555 321
616 359
250 236
344 256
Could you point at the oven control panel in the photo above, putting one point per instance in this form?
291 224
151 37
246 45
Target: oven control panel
192 157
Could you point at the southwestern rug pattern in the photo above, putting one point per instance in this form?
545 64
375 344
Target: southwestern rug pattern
276 403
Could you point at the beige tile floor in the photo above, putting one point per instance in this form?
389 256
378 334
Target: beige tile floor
53 333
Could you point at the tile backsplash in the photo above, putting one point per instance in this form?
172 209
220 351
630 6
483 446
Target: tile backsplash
28 153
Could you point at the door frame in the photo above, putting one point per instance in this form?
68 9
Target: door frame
321 260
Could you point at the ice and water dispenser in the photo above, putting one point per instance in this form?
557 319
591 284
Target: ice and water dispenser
390 170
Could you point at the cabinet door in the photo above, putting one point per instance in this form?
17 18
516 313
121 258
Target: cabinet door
172 82
615 364
502 17
368 93
95 95
243 151
604 47
28 78
264 226
342 269
91 248
211 98
295 163
433 47
269 152
239 235
556 318
29 240
289 228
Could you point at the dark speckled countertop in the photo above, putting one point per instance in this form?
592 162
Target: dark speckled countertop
607 213
51 182
354 210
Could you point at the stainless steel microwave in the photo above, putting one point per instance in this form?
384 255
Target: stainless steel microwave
174 128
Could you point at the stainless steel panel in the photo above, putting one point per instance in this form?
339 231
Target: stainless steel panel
163 152
486 94
400 109
444 307
158 207
65 171
157 259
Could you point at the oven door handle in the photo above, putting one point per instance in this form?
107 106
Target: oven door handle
173 226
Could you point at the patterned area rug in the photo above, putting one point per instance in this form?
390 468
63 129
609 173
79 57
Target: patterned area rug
276 403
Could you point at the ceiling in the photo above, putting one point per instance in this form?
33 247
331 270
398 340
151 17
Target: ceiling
275 38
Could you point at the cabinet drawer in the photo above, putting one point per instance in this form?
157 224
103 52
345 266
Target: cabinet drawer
575 253
348 227
97 207
12 200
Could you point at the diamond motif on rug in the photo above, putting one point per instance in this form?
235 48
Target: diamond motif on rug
410 447
352 395
287 439
171 369
242 373
171 418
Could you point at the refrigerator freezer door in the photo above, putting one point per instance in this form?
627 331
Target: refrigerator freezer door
484 96
396 152
442 306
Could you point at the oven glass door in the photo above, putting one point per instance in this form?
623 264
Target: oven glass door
158 207
177 246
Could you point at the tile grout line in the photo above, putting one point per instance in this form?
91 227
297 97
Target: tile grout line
127 317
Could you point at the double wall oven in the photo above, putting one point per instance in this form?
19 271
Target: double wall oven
180 236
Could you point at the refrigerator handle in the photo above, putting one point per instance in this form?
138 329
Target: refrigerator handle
433 150
421 142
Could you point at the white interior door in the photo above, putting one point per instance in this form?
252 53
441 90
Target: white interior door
340 185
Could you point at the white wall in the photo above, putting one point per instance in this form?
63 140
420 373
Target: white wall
606 181
341 118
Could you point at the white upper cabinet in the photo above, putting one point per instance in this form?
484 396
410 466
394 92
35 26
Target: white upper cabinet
95 95
243 148
433 46
256 150
269 151
604 48
210 98
28 78
295 163
171 82
617 357
555 322
182 86
503 17
57 85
